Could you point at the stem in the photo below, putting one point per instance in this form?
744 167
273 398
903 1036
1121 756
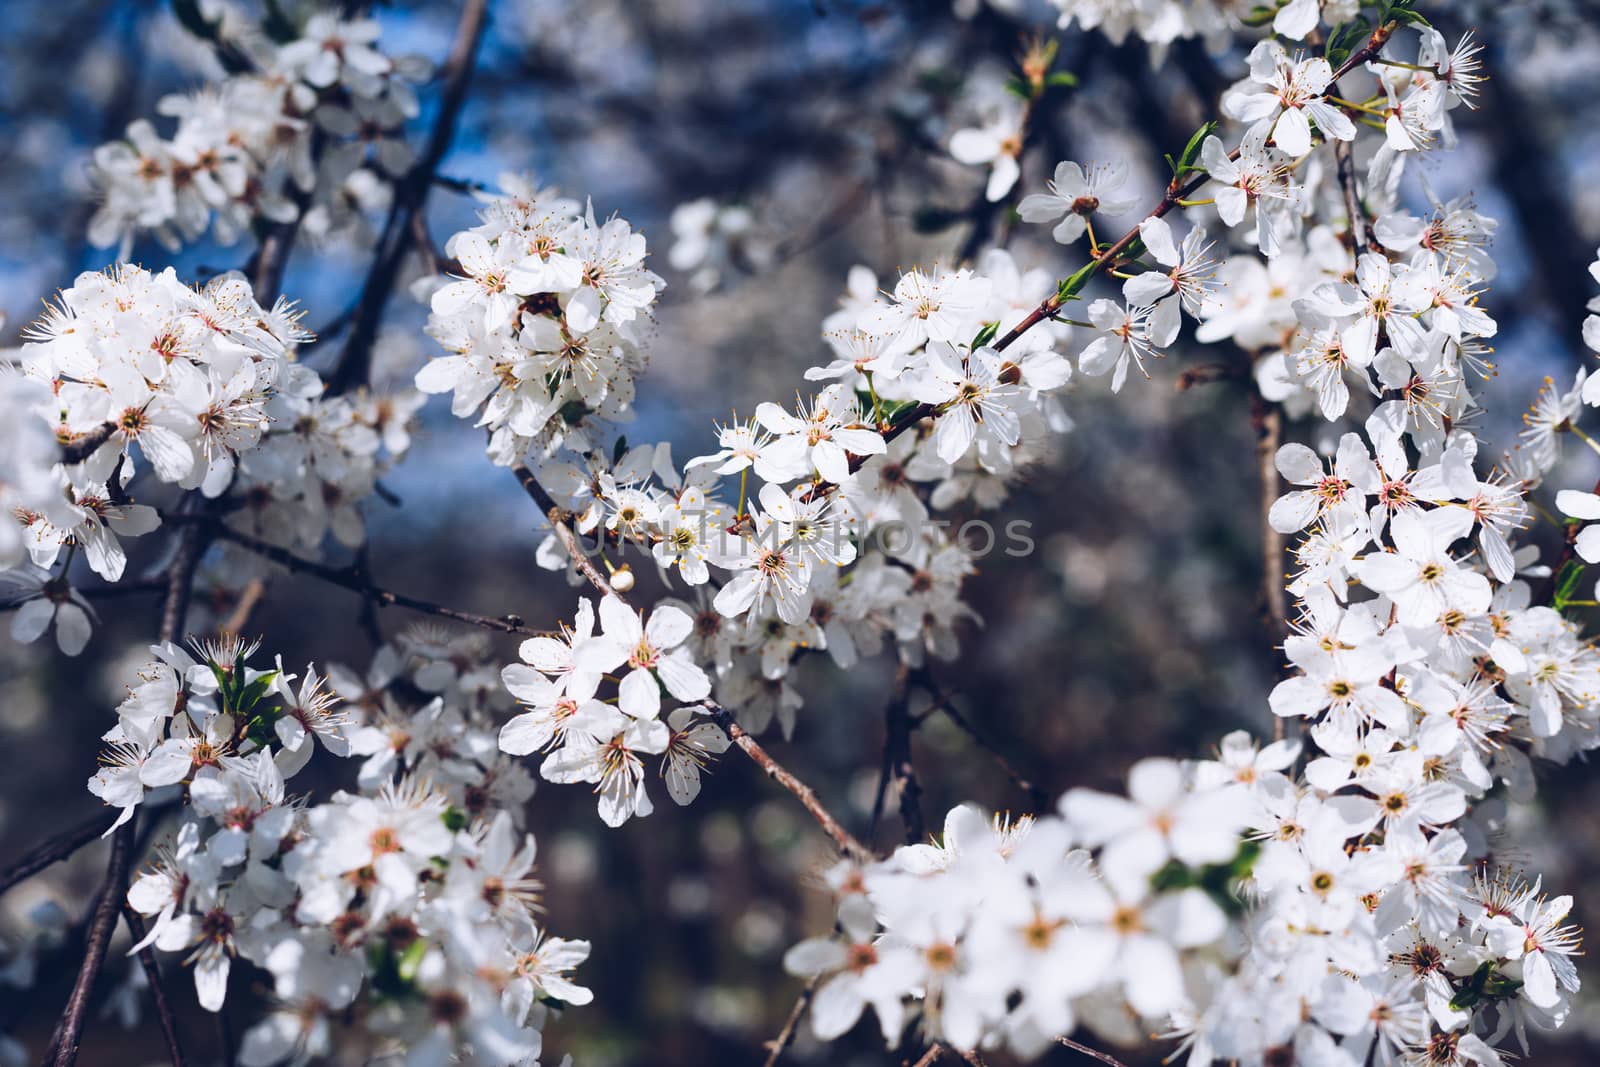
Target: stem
411 197
557 517
1103 1057
1268 422
102 923
352 579
158 989
778 773
791 1025
54 850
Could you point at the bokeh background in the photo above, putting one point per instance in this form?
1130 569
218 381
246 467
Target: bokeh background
1134 629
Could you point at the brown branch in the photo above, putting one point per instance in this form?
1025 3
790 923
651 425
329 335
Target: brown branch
103 921
931 1057
1093 1053
778 773
791 1025
158 988
1345 168
1267 420
411 197
108 905
52 851
354 579
249 599
898 771
943 703
558 518
84 445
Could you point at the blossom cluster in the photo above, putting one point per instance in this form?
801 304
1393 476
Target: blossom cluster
136 371
1339 896
542 322
306 128
1161 22
1122 910
1370 915
404 912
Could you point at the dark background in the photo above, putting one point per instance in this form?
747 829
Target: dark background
1135 629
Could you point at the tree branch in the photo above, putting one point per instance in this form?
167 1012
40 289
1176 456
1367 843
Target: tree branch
1267 420
556 515
791 1025
158 989
411 196
354 579
1092 1053
54 850
103 922
778 773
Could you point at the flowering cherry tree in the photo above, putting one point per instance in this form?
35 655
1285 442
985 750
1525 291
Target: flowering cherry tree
1338 893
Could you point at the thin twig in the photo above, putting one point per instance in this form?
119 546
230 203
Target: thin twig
249 599
1267 420
778 773
103 922
943 703
411 196
1103 1057
556 515
54 850
84 445
791 1025
1344 167
931 1057
158 988
353 579
898 771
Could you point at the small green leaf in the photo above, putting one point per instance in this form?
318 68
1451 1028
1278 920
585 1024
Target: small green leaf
246 697
1345 39
985 335
1061 79
1070 287
1567 583
619 450
411 960
1471 990
1259 15
454 819
1191 151
1018 87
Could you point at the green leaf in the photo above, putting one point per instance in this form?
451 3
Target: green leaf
1346 39
1191 151
247 697
1218 880
1061 79
1259 15
1018 87
1471 990
411 960
1567 583
1070 287
454 819
619 450
893 409
985 335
